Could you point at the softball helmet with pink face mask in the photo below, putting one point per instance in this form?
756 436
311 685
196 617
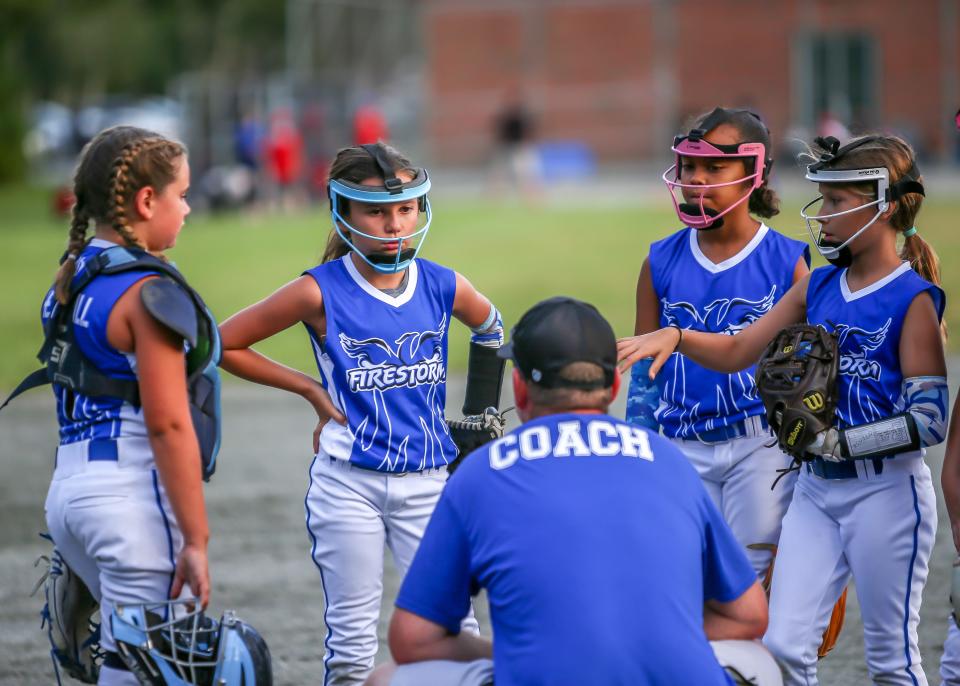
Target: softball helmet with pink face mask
693 144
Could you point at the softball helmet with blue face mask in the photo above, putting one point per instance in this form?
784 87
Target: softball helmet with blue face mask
393 190
824 171
173 643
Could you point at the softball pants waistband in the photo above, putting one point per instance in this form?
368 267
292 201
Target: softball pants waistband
125 453
347 464
862 469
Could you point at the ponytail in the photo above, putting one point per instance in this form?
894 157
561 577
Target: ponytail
924 262
335 249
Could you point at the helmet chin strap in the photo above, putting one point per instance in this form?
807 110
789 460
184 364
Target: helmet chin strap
406 255
714 217
841 255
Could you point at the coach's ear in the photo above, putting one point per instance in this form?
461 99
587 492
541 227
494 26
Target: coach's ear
616 385
521 394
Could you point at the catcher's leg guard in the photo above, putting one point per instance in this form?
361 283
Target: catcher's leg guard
69 617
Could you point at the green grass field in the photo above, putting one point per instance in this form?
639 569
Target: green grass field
513 254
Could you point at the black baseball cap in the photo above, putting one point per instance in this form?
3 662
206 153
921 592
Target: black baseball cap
557 332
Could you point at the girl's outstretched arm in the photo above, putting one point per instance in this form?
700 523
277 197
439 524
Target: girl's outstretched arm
720 352
298 301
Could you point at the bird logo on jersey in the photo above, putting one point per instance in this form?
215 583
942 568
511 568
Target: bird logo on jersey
414 359
855 343
723 315
382 367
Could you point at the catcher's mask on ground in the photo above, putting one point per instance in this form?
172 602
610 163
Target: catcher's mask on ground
557 332
695 215
393 190
838 254
174 643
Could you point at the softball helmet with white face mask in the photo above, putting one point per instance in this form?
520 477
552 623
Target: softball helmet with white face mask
173 643
824 171
393 190
693 144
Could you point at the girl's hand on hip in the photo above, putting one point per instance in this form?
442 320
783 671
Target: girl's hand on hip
326 411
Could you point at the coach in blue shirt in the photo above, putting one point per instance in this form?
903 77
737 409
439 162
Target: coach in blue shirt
604 559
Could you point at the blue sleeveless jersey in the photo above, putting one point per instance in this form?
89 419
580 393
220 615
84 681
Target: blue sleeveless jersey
695 293
383 359
868 324
98 417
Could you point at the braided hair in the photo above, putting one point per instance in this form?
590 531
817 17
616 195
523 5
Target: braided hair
113 167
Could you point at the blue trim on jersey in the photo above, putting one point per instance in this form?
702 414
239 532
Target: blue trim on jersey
906 603
697 294
323 584
166 525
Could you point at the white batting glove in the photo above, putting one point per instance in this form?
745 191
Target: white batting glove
827 445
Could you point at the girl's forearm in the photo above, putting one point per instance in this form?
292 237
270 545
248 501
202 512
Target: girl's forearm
250 365
177 457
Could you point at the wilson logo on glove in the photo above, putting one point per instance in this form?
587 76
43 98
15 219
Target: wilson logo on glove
795 432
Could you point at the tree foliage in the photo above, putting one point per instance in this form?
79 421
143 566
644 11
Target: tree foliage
77 51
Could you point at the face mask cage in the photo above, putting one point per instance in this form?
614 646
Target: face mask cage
879 175
385 263
695 215
173 640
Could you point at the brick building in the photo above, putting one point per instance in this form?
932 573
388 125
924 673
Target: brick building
623 75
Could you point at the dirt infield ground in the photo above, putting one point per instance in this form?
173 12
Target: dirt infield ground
259 549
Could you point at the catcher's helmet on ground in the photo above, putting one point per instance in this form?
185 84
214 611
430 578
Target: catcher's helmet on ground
173 643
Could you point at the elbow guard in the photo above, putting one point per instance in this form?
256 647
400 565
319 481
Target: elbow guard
484 379
643 397
923 423
490 333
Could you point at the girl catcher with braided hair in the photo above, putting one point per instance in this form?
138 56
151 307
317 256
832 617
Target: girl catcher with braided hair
125 507
377 316
864 504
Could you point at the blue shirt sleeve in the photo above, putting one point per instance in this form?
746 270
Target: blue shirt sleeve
438 584
727 573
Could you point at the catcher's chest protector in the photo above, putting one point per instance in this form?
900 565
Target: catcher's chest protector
94 387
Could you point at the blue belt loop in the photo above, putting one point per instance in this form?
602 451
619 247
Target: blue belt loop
102 450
